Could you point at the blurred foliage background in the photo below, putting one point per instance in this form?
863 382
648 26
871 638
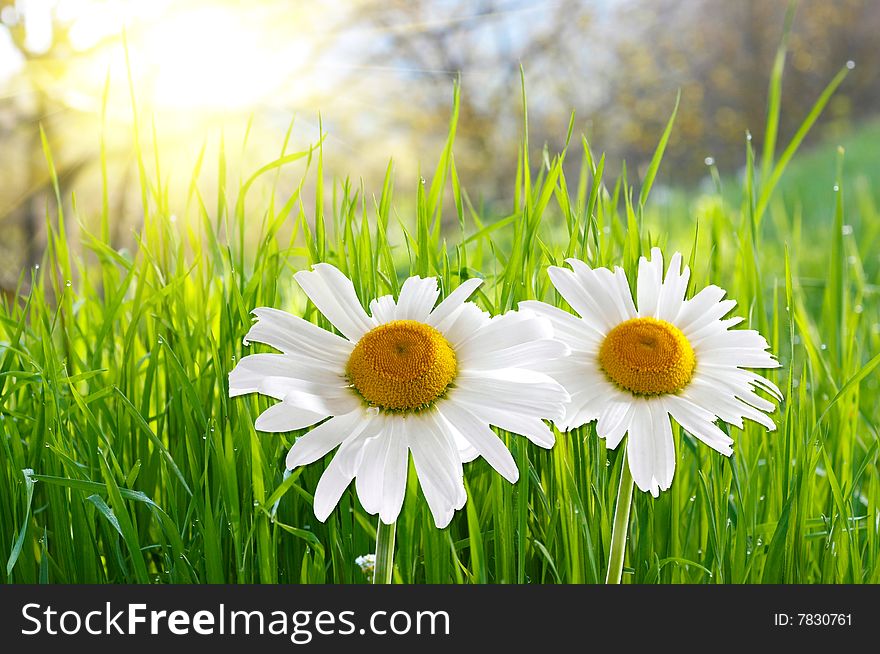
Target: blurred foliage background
212 76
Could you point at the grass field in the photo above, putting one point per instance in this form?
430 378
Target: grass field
123 459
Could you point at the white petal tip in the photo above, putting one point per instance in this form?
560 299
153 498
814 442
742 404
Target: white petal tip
292 461
443 523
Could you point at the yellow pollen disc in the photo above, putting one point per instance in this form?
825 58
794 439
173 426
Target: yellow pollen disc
647 356
401 365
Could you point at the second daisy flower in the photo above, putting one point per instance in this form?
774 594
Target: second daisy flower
633 366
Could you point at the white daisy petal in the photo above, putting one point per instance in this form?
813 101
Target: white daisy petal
334 296
737 338
417 298
590 401
604 288
673 290
579 299
524 355
396 466
614 422
323 438
273 374
340 472
293 335
698 305
664 445
438 467
640 448
330 488
453 302
513 389
699 423
575 332
462 323
648 283
511 329
370 477
710 315
763 383
484 440
738 357
286 417
523 424
321 398
383 309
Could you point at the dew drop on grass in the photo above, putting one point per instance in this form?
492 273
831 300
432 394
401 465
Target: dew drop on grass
850 64
836 188
847 230
68 283
709 161
748 136
693 498
37 267
823 347
858 308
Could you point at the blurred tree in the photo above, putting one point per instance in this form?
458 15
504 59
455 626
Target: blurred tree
721 54
33 106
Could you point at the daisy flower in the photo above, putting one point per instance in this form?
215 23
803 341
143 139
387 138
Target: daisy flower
409 378
633 365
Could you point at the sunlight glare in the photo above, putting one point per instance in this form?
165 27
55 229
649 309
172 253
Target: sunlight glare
204 59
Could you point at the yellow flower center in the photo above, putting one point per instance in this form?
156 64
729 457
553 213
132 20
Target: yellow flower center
647 356
402 365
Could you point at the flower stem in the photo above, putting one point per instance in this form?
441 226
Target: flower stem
384 569
621 524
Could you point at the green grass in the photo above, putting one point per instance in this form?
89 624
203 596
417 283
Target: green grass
123 459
